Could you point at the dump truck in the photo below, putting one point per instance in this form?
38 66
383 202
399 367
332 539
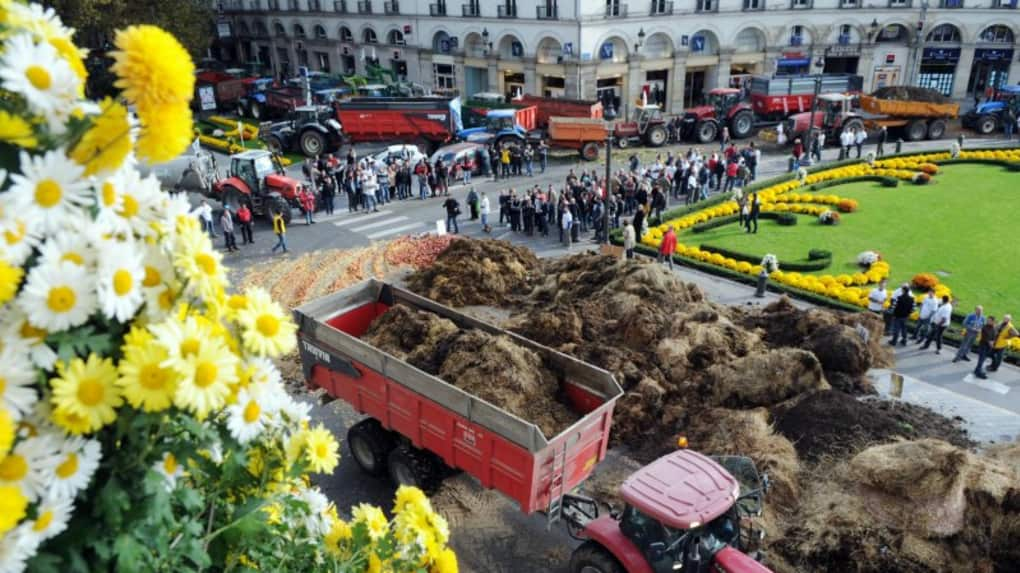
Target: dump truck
777 97
425 121
916 120
683 511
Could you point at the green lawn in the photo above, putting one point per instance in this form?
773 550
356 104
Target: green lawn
960 227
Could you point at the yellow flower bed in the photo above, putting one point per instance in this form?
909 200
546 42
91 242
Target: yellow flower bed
251 132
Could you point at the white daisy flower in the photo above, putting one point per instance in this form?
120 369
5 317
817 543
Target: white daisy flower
128 203
17 379
52 515
77 460
316 521
15 326
171 209
50 191
170 469
16 547
159 271
43 22
58 297
29 466
72 246
293 411
120 277
37 72
248 416
159 301
38 422
17 237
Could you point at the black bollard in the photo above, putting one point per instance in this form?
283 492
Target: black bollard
899 145
763 279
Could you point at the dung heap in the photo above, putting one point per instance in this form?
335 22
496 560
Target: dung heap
477 272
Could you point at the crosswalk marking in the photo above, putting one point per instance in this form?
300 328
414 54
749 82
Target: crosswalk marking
378 224
358 218
997 387
395 230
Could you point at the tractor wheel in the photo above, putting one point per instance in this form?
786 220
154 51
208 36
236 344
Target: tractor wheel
623 142
590 151
936 129
274 144
417 468
591 557
508 140
232 197
255 110
742 124
278 205
853 124
706 131
916 130
656 136
986 124
312 143
370 446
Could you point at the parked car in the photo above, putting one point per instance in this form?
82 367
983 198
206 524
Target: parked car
459 155
400 151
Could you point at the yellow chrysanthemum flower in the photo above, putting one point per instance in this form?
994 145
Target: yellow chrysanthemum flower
7 432
339 531
446 562
86 394
12 507
147 383
105 145
10 278
152 68
72 55
17 131
205 379
374 519
268 330
200 263
321 450
409 498
166 132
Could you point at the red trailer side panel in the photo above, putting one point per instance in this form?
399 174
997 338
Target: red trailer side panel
559 107
386 125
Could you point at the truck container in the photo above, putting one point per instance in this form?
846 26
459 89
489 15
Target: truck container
430 121
582 134
917 119
549 107
422 417
777 97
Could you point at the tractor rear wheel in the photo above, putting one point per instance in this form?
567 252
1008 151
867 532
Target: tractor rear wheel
742 124
590 151
916 130
417 468
853 124
274 144
655 135
706 131
370 446
312 143
232 197
986 124
278 205
936 129
591 557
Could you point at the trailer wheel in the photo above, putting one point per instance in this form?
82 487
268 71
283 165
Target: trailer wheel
986 124
916 130
590 151
591 557
706 131
370 446
312 143
232 197
742 124
936 129
413 467
656 136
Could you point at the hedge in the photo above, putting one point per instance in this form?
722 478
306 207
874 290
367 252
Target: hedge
810 266
884 180
819 254
784 219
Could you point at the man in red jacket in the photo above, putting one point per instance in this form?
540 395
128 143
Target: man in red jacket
244 217
668 246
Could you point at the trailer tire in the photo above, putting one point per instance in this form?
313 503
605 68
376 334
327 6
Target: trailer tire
915 130
410 466
706 131
312 143
986 124
656 136
370 446
591 557
590 151
742 124
232 197
936 129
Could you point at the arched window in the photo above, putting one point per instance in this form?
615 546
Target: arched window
945 33
892 33
279 30
368 36
299 31
345 34
395 37
320 32
997 34
242 28
260 29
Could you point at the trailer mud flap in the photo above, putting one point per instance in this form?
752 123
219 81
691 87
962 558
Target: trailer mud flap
312 354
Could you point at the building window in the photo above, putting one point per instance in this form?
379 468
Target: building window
706 6
945 33
315 5
322 59
345 34
299 31
260 29
444 78
797 36
893 33
302 57
320 32
615 9
395 37
848 3
844 34
754 4
279 30
997 35
368 36
800 4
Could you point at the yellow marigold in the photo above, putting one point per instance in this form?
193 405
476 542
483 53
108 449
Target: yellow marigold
10 278
105 145
17 131
446 562
153 68
166 131
7 430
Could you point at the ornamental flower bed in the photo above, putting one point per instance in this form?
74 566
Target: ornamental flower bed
143 424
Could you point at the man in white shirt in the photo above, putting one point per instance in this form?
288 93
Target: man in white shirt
568 221
876 298
846 139
860 136
924 316
939 322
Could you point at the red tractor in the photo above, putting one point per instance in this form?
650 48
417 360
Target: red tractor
834 113
725 107
648 126
253 178
684 512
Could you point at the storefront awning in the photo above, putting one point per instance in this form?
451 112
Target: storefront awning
792 62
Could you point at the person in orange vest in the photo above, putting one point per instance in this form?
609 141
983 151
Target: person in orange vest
244 218
668 246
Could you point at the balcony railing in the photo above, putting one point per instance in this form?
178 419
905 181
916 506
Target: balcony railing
292 6
364 6
437 9
949 4
391 7
340 6
901 3
801 4
660 8
504 11
470 10
706 6
547 12
754 5
616 11
849 4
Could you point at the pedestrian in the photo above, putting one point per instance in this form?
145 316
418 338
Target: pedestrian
421 171
529 158
328 192
860 136
227 224
484 209
816 147
442 178
543 154
472 201
515 212
204 212
465 170
244 217
732 168
939 322
629 239
504 160
876 298
754 161
280 228
668 246
903 306
1009 122
924 317
972 325
307 204
452 211
565 227
754 204
798 153
988 334
1002 336
846 139
883 136
639 222
724 138
743 209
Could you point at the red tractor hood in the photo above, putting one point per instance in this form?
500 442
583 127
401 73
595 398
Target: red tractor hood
800 122
731 560
285 186
700 111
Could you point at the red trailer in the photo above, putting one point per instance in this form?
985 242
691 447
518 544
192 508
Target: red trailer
556 107
431 121
281 101
419 425
227 89
778 97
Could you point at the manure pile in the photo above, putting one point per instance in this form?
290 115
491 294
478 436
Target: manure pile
911 93
777 384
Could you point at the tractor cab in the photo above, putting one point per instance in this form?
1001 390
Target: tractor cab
252 167
723 100
645 114
834 106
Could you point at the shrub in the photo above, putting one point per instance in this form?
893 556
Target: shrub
786 219
924 281
819 254
846 205
868 258
921 178
829 218
890 182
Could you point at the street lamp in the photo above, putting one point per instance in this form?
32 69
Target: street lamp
873 30
609 114
486 44
640 40
810 138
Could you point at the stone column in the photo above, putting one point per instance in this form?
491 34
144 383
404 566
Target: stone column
962 74
530 77
866 66
635 79
460 72
572 81
722 69
495 85
677 77
425 75
588 81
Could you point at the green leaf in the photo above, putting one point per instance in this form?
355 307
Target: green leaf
111 503
45 563
129 553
